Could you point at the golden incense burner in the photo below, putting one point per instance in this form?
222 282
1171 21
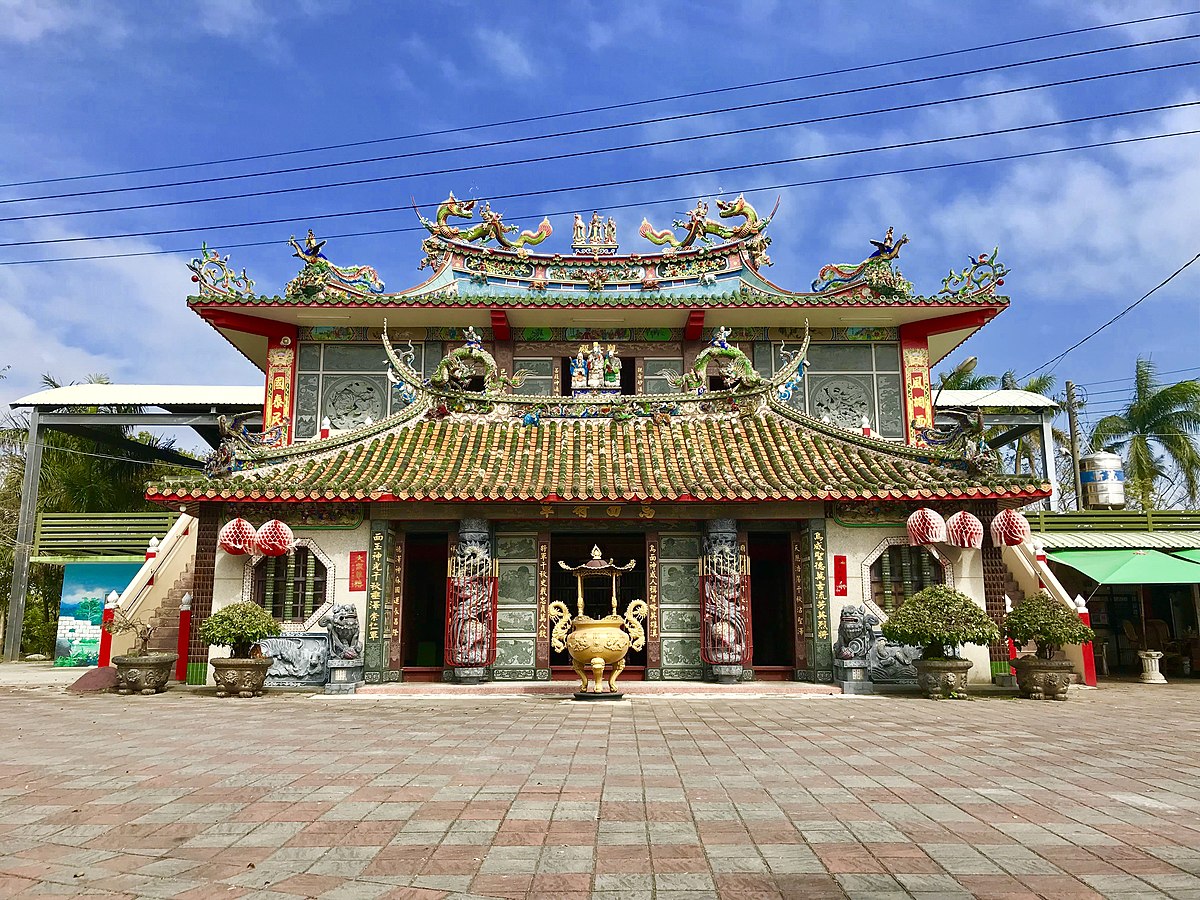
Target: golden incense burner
597 643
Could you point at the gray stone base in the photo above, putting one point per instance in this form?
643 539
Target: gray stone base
727 674
851 676
473 675
345 676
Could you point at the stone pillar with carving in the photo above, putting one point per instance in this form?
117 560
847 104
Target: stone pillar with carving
725 636
471 602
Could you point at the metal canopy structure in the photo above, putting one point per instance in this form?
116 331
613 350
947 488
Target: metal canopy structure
86 410
1019 412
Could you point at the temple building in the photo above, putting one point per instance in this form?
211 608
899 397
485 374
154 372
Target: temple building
744 455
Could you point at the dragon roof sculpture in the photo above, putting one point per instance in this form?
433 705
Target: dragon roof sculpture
700 262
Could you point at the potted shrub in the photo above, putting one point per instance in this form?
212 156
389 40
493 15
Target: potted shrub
139 671
939 619
239 627
1049 624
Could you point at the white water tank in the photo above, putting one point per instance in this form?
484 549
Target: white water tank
1103 478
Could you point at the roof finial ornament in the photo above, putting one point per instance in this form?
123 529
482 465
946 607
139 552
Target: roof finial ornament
885 249
596 237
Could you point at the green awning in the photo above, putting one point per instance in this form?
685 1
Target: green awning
1131 566
1193 555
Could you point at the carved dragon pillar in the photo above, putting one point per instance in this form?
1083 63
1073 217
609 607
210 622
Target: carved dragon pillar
725 636
471 598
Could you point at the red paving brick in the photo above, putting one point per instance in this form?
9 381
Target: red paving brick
767 794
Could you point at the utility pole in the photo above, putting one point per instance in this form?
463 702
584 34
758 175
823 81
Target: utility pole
1073 420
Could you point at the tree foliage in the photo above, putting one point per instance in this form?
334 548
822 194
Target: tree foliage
937 618
1156 436
79 474
238 626
1047 622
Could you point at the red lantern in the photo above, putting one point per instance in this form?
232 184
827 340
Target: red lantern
236 537
926 527
1009 528
964 530
274 539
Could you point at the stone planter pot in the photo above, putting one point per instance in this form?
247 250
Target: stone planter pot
943 679
1043 679
144 674
241 677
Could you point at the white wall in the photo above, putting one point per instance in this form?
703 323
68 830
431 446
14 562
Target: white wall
332 547
861 544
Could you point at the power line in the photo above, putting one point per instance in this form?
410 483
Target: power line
673 118
619 183
639 204
1054 361
610 107
577 154
1132 379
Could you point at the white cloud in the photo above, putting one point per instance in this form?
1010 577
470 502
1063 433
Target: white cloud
126 318
506 53
29 21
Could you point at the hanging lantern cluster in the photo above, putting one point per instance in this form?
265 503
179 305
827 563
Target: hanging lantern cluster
926 527
964 530
238 538
1009 528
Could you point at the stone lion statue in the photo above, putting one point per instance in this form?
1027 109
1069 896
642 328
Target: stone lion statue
856 633
342 624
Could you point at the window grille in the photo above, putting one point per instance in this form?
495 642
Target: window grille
901 571
292 587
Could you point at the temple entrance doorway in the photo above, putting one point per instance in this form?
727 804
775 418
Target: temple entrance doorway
772 615
423 626
597 603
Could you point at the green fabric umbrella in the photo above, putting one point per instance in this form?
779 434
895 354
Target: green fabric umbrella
1132 566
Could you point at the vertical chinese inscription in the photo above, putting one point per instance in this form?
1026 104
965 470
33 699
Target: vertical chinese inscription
543 602
917 398
823 650
373 649
281 374
801 606
653 646
395 655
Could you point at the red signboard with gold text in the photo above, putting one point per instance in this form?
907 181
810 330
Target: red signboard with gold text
358 570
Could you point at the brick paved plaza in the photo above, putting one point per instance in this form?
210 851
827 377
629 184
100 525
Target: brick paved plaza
183 795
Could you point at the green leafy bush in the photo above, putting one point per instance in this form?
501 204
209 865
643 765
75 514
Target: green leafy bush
1047 622
938 618
238 626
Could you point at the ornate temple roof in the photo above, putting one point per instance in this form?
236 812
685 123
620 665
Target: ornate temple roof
743 443
710 265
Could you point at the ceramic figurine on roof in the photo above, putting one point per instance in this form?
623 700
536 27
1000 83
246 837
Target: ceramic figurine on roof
982 276
875 272
699 227
597 239
492 228
212 273
321 279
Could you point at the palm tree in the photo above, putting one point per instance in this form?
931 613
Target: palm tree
1156 434
963 378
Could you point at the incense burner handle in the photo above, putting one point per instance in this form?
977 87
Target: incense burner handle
637 610
561 617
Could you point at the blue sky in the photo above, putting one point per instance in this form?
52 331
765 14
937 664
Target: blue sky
96 87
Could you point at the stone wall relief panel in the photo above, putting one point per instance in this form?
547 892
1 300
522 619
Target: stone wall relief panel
517 614
679 606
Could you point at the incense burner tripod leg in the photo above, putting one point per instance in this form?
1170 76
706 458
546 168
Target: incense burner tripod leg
618 668
582 672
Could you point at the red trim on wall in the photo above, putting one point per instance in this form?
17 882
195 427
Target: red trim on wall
695 325
500 327
233 321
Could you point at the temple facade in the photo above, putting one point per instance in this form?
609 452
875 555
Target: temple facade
745 455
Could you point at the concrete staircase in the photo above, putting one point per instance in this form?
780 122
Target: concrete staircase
165 617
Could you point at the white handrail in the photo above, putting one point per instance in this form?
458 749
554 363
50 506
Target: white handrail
171 542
